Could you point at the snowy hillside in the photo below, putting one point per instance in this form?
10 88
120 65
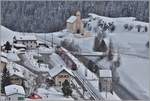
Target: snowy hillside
134 69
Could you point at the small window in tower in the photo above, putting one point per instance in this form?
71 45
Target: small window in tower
78 31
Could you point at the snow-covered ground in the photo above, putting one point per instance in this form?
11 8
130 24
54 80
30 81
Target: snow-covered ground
134 69
52 94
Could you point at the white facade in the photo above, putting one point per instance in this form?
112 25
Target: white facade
14 93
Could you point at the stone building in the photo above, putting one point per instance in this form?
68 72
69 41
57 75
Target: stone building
75 24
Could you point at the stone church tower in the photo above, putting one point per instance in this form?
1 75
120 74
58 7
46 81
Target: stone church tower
79 24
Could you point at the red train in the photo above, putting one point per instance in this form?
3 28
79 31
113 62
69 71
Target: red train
64 54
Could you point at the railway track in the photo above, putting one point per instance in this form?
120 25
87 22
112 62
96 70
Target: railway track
88 86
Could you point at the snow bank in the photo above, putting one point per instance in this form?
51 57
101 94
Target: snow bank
52 94
134 75
110 97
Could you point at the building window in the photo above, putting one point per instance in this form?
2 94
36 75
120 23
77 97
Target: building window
78 31
59 83
20 98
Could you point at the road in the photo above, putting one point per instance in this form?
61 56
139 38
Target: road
123 93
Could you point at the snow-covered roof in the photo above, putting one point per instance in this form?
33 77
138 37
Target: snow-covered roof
56 70
55 59
3 59
105 73
93 15
19 45
104 63
71 19
14 89
45 50
3 54
43 67
13 56
26 37
15 69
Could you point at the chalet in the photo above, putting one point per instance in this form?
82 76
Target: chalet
14 93
29 41
74 24
105 80
16 73
60 74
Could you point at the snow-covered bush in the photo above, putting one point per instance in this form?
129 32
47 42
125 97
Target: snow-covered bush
125 26
138 28
130 27
111 27
89 27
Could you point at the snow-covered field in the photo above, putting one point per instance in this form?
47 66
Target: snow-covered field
134 69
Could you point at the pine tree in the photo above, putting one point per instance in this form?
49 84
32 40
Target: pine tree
23 85
7 46
5 80
67 91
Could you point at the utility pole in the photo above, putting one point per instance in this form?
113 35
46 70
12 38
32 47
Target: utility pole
106 89
86 72
52 40
83 87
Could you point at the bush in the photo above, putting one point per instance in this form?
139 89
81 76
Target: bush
138 27
7 46
145 28
126 26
